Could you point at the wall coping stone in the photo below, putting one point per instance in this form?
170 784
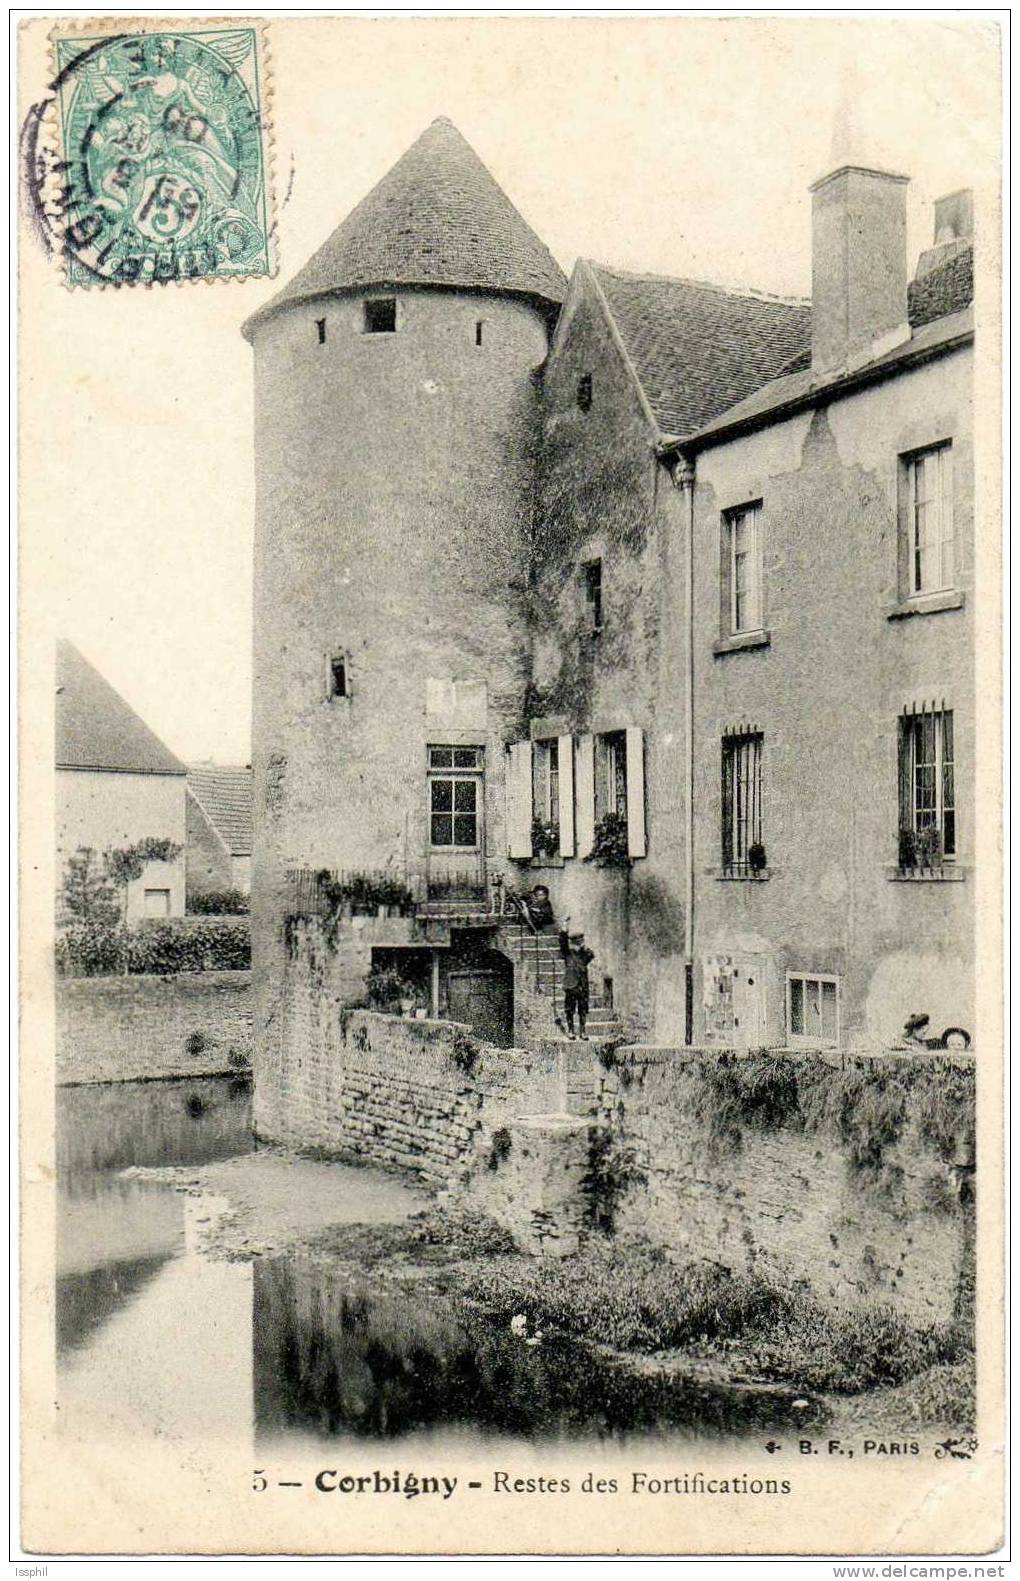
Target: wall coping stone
656 1054
432 1025
567 1124
122 983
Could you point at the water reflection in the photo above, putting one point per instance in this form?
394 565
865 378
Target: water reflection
112 1125
336 1356
156 1337
114 1236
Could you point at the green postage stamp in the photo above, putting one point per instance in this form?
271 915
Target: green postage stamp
162 165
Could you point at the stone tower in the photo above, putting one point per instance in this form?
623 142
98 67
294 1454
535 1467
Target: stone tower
396 416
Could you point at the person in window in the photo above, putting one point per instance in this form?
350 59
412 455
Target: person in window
576 957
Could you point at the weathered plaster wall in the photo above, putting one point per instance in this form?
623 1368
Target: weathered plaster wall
827 692
207 862
394 513
129 1028
602 495
106 810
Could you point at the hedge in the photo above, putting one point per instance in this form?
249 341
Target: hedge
88 949
218 903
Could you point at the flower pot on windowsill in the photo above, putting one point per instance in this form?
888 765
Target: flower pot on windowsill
610 846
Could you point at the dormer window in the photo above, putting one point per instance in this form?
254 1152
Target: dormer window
381 315
320 325
584 392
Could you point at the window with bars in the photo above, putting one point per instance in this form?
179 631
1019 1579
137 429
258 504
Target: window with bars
927 835
742 850
546 782
930 548
812 1010
454 787
745 605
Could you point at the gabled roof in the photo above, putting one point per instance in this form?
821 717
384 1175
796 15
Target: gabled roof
96 728
697 349
437 219
225 796
799 389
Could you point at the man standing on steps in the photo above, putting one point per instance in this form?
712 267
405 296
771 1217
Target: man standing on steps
575 979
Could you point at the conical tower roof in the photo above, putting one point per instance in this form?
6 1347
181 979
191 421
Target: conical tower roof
437 219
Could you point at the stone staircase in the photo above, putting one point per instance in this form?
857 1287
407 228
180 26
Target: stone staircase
538 961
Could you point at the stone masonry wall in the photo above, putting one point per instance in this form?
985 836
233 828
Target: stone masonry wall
130 1028
854 1179
394 1091
725 1173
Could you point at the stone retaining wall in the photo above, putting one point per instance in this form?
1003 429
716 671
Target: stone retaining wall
860 1188
130 1028
856 1179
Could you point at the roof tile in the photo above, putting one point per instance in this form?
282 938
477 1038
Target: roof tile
437 218
697 348
225 796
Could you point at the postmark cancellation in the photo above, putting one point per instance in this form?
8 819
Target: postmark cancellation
157 165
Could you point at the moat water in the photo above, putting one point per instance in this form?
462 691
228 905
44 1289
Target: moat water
157 1336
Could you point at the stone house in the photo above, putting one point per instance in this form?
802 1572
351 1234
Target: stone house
116 784
534 582
218 853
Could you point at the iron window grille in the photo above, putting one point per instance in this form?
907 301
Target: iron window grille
742 803
927 831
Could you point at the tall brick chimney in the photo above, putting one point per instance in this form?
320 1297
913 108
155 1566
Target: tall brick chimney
858 266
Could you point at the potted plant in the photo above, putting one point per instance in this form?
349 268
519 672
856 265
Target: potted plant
392 898
907 855
387 990
362 895
545 838
610 844
756 860
929 849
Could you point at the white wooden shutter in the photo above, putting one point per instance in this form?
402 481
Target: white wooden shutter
566 759
519 804
636 841
584 775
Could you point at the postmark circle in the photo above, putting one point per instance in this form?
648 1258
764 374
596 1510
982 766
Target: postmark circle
162 157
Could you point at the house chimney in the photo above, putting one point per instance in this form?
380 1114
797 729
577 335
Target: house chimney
954 230
858 266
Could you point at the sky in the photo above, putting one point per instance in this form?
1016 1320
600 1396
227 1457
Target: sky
680 146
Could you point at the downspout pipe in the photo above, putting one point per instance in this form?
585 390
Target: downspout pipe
684 480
